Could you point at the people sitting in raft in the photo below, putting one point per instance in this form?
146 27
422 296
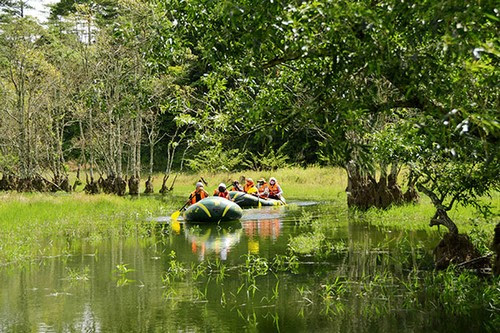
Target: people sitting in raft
198 194
263 188
221 191
275 191
250 187
236 186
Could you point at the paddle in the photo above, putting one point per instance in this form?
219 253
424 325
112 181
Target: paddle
282 200
176 214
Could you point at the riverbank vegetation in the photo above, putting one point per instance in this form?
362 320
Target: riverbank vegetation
77 215
35 226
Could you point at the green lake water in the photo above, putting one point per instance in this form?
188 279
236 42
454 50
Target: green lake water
231 277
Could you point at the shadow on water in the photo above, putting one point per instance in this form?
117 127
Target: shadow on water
343 275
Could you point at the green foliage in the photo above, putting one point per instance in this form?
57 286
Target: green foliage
76 275
306 243
272 160
122 270
216 159
259 85
453 293
68 218
8 162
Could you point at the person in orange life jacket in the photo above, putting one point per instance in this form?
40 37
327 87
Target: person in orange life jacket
221 191
198 194
236 186
263 188
250 187
275 191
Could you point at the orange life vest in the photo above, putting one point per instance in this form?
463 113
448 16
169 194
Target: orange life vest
264 190
248 186
273 189
197 196
224 194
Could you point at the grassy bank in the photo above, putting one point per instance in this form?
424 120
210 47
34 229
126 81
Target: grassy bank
30 222
312 183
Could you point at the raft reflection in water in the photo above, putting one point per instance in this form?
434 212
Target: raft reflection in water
265 228
213 238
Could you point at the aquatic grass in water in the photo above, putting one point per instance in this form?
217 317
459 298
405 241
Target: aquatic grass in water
306 243
31 222
462 294
368 297
122 275
75 276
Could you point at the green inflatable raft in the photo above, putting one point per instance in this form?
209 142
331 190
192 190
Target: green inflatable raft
213 209
247 200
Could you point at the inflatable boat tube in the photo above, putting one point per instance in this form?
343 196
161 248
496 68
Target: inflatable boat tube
213 209
247 200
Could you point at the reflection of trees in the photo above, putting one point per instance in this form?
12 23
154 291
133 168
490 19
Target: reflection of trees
218 239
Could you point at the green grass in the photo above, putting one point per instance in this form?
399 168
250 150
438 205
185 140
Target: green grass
417 217
30 224
313 183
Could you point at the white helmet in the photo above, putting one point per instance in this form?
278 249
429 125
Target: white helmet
199 184
222 185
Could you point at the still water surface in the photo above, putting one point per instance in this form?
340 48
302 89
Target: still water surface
120 285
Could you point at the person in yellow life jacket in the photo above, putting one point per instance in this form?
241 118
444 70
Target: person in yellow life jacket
250 187
222 191
198 194
263 188
275 191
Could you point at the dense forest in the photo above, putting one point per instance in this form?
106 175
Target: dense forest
118 90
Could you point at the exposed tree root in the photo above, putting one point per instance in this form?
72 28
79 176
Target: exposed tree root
149 186
133 185
366 192
8 183
120 186
411 196
457 249
92 187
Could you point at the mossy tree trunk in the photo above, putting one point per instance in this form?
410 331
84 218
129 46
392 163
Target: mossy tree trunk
364 191
454 248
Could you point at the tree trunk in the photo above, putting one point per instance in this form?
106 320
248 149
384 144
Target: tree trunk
149 186
133 185
496 248
119 184
364 192
138 140
392 184
149 183
456 248
411 195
